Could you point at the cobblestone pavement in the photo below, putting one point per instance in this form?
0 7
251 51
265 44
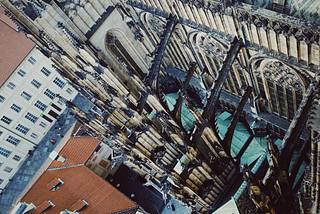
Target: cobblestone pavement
33 162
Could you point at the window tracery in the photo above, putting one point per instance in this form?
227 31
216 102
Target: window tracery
156 24
282 74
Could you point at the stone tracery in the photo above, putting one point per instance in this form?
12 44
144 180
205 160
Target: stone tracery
282 74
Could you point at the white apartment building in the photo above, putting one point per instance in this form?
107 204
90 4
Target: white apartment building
28 102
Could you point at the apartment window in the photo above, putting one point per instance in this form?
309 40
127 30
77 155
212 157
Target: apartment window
45 71
35 83
32 60
26 96
43 124
11 85
4 152
40 105
31 117
22 73
59 82
2 98
50 94
34 135
60 101
16 158
13 140
69 91
22 129
16 108
7 169
5 119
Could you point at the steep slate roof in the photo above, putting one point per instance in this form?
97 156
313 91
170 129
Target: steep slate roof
77 151
80 183
14 47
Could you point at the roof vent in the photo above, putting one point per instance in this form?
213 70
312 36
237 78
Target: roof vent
79 205
62 159
54 184
46 205
68 212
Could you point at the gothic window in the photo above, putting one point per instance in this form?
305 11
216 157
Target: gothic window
122 54
211 54
280 85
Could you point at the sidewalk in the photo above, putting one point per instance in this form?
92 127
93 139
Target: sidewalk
33 162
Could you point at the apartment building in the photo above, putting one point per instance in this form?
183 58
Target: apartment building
28 103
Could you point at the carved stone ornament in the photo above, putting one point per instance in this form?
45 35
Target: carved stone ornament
212 48
156 24
282 74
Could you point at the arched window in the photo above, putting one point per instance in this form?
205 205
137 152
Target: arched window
128 60
281 85
211 54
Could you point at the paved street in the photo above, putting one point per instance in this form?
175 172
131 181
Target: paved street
33 162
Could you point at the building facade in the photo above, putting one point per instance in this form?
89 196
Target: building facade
131 56
28 102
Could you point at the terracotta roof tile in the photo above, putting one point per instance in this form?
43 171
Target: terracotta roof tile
6 19
77 151
79 183
14 48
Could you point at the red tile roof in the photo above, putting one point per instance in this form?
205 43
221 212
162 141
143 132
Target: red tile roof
14 47
6 19
79 183
77 151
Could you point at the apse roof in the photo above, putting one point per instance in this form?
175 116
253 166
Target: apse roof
241 133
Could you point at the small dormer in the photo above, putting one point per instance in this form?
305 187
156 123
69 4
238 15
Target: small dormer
54 184
55 156
62 159
44 206
80 204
